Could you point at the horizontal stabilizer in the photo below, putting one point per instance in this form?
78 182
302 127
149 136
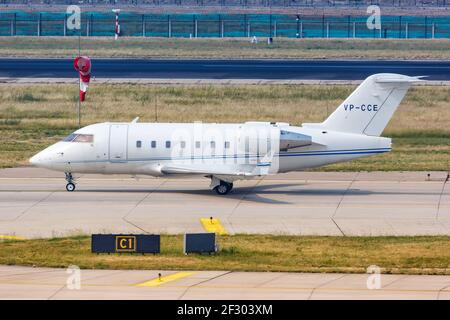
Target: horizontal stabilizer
399 79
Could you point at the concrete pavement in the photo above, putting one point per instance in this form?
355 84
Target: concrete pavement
46 283
34 203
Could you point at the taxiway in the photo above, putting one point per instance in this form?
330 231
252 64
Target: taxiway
47 283
224 69
34 203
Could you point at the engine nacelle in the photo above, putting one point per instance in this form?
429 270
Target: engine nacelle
291 140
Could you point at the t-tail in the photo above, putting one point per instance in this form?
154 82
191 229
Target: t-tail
370 107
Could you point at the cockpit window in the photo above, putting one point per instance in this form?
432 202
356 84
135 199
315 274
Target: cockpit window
84 138
89 138
69 138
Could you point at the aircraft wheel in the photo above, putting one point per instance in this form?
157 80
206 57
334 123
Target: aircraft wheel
223 188
70 187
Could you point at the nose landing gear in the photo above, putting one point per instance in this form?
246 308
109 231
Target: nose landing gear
70 186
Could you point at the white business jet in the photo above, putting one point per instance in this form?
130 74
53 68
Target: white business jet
225 153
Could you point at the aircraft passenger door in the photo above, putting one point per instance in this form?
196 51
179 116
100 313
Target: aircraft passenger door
118 140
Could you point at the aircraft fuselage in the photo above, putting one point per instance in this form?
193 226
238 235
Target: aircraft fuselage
145 148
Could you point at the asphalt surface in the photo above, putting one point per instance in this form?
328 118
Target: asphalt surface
34 203
223 69
46 283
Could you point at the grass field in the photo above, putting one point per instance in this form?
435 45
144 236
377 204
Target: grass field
215 48
34 116
406 255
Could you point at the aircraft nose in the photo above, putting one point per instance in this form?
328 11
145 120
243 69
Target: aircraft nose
41 159
49 157
36 160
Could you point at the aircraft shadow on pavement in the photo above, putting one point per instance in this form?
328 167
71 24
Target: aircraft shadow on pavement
251 194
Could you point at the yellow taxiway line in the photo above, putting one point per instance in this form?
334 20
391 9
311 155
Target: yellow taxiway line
6 237
213 225
161 280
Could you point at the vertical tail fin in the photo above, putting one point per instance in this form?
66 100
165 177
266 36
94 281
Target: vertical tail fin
370 107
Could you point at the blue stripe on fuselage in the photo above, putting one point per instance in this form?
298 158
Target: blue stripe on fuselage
284 154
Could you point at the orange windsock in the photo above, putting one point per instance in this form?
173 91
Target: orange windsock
83 66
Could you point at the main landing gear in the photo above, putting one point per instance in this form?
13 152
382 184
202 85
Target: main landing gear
70 186
223 188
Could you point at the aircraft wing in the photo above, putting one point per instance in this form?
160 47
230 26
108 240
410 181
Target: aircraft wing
194 169
217 170
260 167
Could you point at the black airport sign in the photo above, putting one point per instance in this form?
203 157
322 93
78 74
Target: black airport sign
123 243
200 243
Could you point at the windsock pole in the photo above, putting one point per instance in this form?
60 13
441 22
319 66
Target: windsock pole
117 24
116 35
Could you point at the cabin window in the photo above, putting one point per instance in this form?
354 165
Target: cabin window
197 144
167 144
138 144
227 144
183 144
153 144
213 144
